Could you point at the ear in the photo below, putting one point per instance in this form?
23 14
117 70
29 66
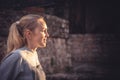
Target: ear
28 34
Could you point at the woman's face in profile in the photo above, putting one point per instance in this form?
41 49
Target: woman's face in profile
40 35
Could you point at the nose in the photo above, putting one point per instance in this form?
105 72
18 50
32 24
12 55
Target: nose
47 35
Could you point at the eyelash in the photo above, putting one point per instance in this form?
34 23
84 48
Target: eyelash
44 30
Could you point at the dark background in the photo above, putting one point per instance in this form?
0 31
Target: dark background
102 15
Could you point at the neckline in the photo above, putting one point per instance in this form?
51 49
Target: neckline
26 48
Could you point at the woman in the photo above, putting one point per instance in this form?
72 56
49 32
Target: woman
21 62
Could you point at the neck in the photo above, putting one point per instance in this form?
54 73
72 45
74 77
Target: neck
31 47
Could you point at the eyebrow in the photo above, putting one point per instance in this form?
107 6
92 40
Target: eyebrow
45 28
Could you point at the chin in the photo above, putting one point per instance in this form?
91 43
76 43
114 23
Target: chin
42 46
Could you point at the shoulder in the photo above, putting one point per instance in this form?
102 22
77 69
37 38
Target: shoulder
12 62
12 56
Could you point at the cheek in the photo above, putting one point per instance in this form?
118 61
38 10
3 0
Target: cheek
35 38
40 37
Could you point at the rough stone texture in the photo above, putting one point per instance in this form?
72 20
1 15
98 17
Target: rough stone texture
55 57
63 76
95 56
2 47
58 28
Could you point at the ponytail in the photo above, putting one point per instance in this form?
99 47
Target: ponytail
15 40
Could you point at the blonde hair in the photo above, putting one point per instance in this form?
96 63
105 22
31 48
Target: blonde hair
16 38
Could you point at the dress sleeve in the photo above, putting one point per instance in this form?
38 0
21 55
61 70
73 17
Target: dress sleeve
10 67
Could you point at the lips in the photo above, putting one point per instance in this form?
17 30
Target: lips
45 40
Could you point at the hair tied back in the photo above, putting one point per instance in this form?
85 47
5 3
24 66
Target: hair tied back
17 22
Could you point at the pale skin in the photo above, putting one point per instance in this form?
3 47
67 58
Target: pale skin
36 38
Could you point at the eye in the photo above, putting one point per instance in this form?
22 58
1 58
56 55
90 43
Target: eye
44 30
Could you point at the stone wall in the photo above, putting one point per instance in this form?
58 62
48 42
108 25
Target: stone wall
55 57
93 57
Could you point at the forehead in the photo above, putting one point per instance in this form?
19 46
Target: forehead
41 23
